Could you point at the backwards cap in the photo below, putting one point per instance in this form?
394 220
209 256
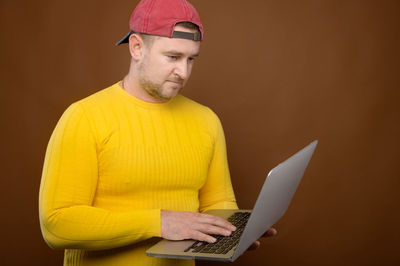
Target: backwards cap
158 17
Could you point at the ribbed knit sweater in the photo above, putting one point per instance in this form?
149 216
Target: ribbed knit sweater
114 161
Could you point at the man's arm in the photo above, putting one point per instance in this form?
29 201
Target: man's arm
68 187
217 192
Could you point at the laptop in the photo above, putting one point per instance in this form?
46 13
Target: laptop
272 202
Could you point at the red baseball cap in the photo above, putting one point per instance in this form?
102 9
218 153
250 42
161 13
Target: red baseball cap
158 17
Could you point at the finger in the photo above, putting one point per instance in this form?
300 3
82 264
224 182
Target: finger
270 232
197 235
211 229
254 246
215 220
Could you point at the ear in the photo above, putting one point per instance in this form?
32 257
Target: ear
136 46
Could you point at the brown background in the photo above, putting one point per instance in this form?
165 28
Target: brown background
278 73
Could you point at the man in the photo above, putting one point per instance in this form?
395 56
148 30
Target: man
138 160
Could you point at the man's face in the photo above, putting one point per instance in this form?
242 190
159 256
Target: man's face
166 66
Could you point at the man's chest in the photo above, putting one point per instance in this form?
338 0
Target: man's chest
141 158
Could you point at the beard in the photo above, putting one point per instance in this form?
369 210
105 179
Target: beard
156 89
153 89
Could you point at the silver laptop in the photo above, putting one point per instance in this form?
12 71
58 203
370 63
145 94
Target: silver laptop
271 204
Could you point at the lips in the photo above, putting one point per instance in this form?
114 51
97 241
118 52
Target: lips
176 82
176 79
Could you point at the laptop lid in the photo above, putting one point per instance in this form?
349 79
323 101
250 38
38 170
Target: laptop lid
275 197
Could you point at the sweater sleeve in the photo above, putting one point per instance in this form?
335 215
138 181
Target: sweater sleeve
67 218
217 192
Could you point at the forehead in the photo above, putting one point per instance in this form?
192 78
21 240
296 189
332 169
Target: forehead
184 46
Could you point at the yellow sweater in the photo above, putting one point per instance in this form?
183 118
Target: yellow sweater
114 161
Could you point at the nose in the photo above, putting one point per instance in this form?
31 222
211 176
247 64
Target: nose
182 70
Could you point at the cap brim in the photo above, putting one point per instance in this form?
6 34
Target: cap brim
125 39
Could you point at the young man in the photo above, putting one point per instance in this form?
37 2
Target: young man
138 160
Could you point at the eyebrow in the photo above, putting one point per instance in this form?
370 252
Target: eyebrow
173 52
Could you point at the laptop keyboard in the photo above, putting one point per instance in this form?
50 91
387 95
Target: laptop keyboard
223 243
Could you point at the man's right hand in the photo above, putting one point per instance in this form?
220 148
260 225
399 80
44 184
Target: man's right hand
193 225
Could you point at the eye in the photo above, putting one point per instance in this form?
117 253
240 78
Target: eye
173 57
191 59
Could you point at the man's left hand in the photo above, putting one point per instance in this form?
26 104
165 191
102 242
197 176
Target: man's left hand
270 232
